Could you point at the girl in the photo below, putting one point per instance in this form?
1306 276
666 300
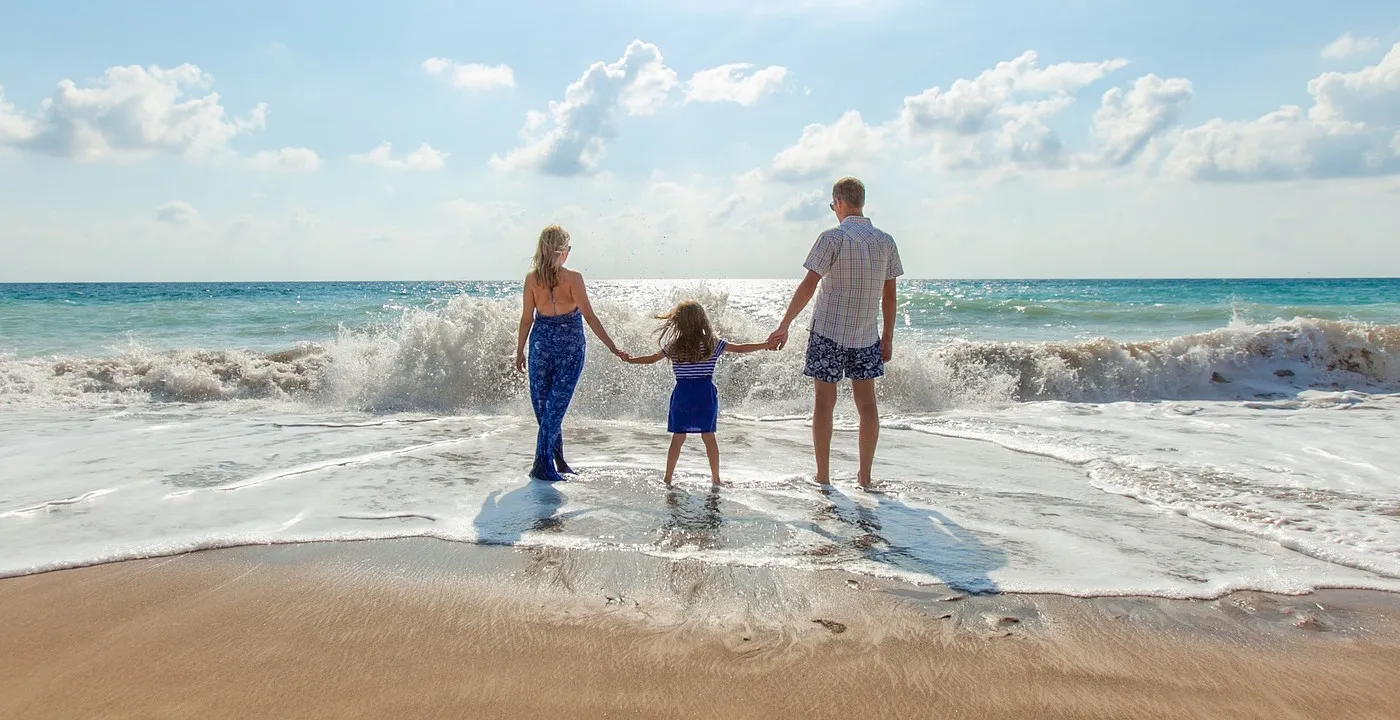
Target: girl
688 341
555 308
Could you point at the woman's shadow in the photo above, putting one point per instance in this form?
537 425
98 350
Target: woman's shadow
504 519
919 540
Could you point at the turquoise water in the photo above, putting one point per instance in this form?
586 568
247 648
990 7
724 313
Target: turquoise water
90 319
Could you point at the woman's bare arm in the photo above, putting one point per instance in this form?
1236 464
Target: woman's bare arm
586 307
527 319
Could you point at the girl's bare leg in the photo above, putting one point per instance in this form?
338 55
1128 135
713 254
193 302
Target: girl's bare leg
712 450
674 454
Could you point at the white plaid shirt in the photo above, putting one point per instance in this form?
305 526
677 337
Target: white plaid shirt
854 259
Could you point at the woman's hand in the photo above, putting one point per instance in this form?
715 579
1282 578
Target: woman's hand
520 361
621 355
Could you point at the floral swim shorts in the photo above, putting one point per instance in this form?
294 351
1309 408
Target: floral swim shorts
828 361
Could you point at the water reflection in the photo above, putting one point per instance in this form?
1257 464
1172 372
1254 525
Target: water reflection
692 519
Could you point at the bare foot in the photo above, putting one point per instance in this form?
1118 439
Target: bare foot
869 485
718 483
666 481
821 484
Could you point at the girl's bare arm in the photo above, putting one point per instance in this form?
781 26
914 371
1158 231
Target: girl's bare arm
649 359
745 347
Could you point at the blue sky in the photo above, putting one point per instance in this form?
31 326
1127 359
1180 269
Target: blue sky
239 142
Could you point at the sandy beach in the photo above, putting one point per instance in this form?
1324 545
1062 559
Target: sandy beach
422 628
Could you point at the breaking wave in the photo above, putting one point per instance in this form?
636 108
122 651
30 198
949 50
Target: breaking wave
458 358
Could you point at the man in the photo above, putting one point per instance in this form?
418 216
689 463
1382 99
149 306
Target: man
855 266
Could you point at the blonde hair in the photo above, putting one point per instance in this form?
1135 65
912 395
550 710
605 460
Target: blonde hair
687 336
548 250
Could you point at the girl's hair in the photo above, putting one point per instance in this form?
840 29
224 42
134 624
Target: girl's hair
687 336
553 241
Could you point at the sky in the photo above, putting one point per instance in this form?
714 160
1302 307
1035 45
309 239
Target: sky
433 139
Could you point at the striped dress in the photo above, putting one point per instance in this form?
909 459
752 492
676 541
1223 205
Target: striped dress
695 401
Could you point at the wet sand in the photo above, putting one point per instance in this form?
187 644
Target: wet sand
421 628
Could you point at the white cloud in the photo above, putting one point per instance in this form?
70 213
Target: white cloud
177 212
1348 132
970 107
807 207
1000 116
1349 46
1127 121
470 76
864 9
1369 95
828 149
484 219
570 138
13 126
302 220
287 160
730 83
425 158
131 111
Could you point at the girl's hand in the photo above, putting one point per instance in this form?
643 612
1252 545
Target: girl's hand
622 355
519 361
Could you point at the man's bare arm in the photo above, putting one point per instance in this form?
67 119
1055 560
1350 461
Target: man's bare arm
887 310
800 297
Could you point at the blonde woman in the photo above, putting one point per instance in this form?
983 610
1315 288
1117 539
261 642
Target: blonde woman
555 308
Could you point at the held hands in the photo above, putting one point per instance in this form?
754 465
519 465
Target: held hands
778 338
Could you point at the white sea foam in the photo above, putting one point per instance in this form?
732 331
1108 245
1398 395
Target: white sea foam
1125 498
458 358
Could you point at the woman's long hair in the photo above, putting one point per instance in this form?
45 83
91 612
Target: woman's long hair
549 253
687 336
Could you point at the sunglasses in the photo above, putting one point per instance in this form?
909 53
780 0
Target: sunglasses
832 205
565 249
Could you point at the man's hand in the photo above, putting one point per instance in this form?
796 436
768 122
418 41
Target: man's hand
886 348
777 339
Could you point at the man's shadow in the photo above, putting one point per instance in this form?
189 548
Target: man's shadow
534 506
918 540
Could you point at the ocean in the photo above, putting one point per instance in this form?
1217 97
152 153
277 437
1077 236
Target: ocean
1171 438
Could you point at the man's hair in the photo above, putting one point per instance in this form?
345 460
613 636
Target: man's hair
850 191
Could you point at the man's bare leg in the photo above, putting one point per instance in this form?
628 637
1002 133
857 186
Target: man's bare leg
822 410
864 392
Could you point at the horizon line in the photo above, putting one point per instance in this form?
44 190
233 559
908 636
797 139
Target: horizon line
717 279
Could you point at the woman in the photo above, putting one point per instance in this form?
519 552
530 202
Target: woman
556 305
